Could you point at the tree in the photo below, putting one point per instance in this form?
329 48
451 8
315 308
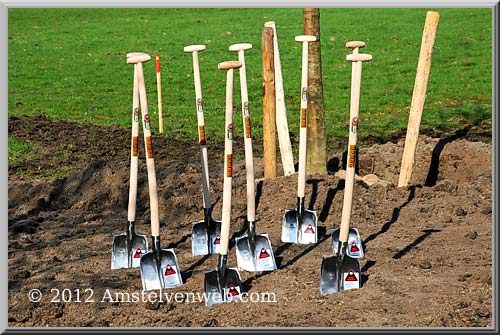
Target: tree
316 137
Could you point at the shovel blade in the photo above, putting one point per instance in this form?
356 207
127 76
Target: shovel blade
290 226
205 239
120 257
214 229
163 274
308 227
354 245
199 238
258 258
337 275
219 290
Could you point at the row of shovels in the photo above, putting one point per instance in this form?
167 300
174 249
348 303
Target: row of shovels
159 267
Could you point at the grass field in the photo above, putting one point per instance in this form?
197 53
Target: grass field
70 64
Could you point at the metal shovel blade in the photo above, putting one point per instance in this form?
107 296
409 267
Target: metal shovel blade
127 254
205 239
219 290
259 257
303 232
308 227
290 226
354 245
199 236
338 275
160 272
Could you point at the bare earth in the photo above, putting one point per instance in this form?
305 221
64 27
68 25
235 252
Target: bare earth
428 247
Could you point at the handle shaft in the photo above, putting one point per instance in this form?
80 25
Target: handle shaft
153 192
303 122
249 166
205 178
228 166
158 87
134 151
351 162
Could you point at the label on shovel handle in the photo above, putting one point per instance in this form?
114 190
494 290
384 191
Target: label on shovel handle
248 129
303 118
170 275
352 156
229 167
201 132
351 280
149 146
135 146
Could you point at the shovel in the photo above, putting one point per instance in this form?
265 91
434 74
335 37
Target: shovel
159 267
205 237
342 270
224 283
300 224
354 245
129 247
253 251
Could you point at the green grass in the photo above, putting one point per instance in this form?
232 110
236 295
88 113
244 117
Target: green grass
70 64
18 150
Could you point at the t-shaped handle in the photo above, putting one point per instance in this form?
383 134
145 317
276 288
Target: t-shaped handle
229 65
359 57
305 38
195 47
240 46
138 57
355 45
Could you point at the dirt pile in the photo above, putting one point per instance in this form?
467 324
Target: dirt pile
428 246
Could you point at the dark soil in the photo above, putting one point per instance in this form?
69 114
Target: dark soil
428 246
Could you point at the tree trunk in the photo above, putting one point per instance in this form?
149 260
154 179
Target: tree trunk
316 138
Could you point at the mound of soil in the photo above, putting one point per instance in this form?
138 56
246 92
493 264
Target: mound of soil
428 246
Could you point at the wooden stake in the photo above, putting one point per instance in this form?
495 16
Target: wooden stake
158 86
269 104
418 99
281 118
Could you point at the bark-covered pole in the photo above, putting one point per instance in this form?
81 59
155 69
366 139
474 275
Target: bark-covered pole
316 139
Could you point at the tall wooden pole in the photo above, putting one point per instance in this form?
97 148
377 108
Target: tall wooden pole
418 98
281 118
269 103
316 139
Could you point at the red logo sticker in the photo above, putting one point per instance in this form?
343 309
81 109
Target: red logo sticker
351 276
138 253
217 239
264 253
169 270
354 247
309 229
232 291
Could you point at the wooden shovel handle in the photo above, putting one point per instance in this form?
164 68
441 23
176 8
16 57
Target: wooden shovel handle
228 166
134 151
153 192
353 138
303 116
205 177
245 110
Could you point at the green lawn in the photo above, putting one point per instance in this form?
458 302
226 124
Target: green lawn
70 64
